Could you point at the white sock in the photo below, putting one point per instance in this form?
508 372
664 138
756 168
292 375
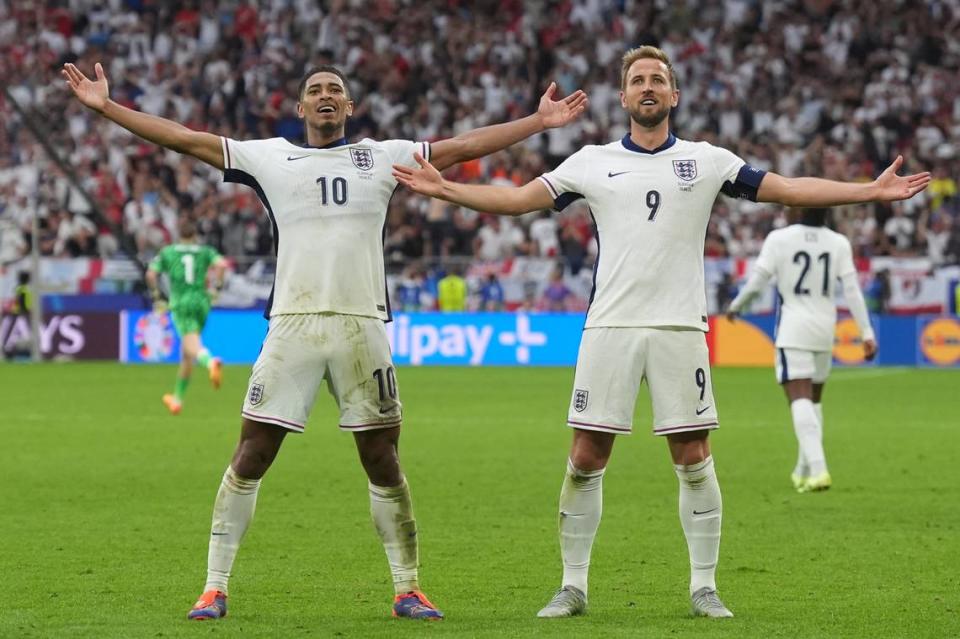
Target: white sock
818 409
232 512
701 510
392 513
581 504
806 426
802 469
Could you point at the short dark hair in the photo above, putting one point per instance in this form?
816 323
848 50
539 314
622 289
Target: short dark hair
814 217
187 228
323 68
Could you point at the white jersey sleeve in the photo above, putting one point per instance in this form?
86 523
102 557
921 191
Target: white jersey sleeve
739 178
401 151
845 264
245 156
566 182
767 259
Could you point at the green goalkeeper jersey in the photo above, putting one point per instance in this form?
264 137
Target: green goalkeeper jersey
186 267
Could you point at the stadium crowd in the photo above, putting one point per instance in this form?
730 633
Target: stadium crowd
798 87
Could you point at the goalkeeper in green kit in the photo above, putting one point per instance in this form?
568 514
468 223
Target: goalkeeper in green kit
186 264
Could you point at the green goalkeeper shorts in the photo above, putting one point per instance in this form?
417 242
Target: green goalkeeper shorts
190 319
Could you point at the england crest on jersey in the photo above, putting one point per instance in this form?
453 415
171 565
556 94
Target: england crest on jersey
580 400
685 169
362 158
256 394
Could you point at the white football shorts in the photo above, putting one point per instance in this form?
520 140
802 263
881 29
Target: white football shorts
300 351
794 363
612 364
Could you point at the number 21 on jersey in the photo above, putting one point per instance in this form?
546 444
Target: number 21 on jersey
804 260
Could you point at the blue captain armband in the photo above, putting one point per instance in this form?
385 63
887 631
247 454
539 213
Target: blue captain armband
746 185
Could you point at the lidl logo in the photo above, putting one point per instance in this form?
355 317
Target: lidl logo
847 343
940 341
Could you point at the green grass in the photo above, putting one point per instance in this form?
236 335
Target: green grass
106 506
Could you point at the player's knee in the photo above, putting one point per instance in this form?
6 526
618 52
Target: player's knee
588 459
689 448
381 463
252 460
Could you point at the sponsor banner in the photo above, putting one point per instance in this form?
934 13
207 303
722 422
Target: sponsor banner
65 335
476 339
233 336
938 341
461 339
489 339
903 341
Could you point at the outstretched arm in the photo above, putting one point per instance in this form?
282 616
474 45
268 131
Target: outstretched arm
502 200
490 139
755 285
95 94
806 191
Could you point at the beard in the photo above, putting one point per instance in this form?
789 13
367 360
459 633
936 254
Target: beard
652 120
329 127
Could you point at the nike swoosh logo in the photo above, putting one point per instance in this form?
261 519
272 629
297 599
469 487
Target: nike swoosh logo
218 534
704 512
703 410
565 514
612 174
290 158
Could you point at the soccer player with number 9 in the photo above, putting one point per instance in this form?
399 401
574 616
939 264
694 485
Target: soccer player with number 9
651 195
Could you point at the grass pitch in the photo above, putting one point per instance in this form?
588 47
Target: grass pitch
106 507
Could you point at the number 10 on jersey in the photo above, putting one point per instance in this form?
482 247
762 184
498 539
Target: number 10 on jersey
338 190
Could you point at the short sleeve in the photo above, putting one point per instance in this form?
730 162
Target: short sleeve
767 260
565 183
243 156
845 265
738 178
401 151
159 262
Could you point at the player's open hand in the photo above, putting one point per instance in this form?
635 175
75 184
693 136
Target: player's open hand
91 93
869 349
892 187
556 113
426 180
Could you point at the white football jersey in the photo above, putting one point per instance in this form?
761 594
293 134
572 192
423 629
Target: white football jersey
805 263
328 207
651 210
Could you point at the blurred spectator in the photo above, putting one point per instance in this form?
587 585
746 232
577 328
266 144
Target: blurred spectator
452 292
497 238
410 292
899 230
18 341
879 292
833 89
543 234
557 296
491 294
